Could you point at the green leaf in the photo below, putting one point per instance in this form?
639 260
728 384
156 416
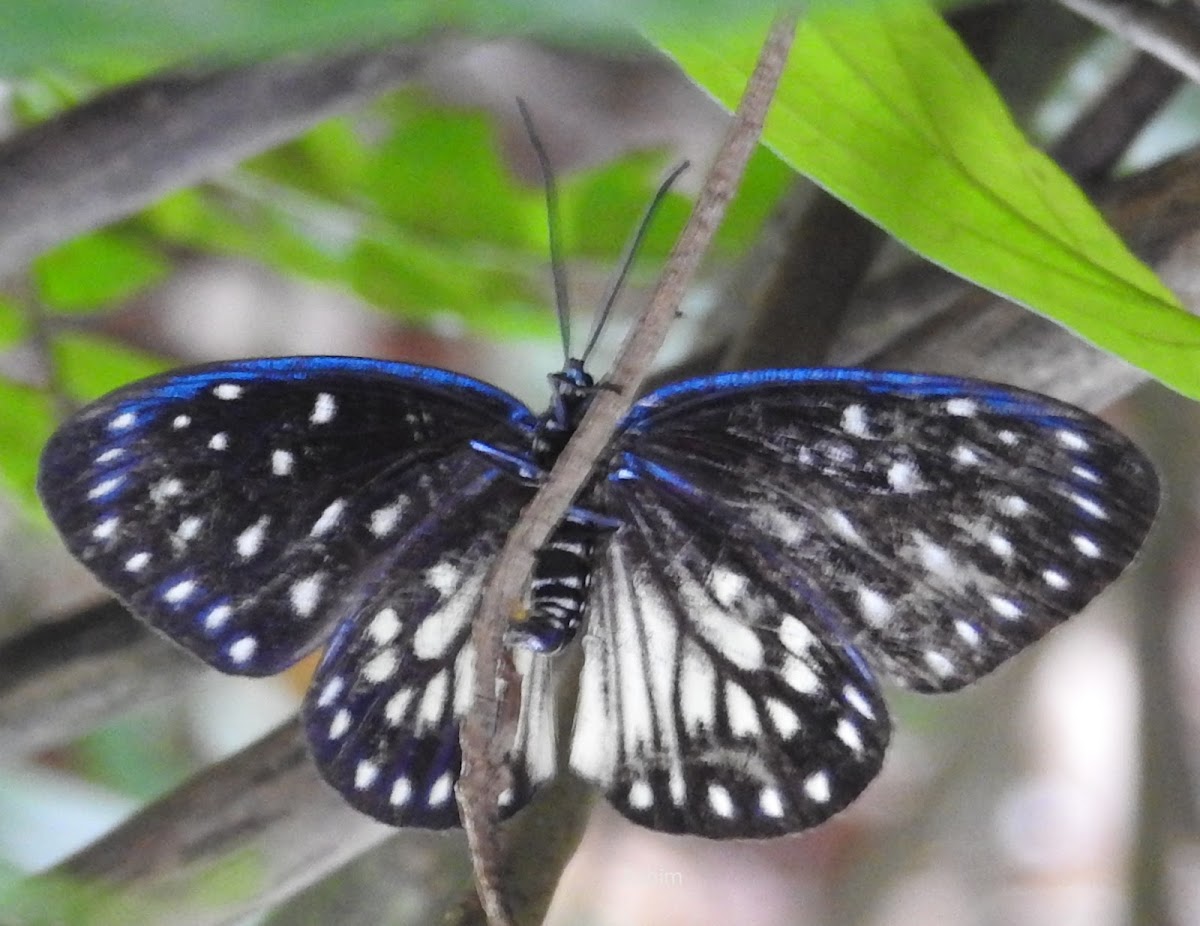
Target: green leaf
439 174
883 106
12 323
25 425
91 366
427 284
96 270
88 32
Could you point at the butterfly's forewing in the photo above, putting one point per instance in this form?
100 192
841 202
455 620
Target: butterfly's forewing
384 710
948 522
234 506
714 700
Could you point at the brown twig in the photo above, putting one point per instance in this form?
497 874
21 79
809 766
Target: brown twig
483 756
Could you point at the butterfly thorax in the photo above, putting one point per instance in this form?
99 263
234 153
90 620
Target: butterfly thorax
563 567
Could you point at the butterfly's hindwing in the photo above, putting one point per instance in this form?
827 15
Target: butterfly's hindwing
384 711
232 506
711 700
950 522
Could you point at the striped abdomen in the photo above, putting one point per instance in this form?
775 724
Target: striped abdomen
561 572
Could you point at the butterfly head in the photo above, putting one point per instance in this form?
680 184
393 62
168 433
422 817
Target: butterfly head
571 391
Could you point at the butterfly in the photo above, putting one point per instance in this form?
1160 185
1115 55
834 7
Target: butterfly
755 554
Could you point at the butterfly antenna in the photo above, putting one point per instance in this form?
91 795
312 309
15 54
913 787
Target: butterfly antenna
631 249
558 267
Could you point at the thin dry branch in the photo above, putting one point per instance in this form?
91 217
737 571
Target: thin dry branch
121 151
66 677
1171 35
483 756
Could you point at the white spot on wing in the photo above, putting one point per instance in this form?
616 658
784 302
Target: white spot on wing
442 577
1000 545
250 541
940 665
1013 505
964 455
842 525
1007 609
967 631
1089 505
720 801
216 617
441 790
219 441
179 422
697 689
903 477
189 527
107 486
165 489
433 704
329 518
800 675
855 699
962 408
397 706
739 706
727 586
401 792
137 562
282 462
816 786
1086 474
384 626
641 796
179 592
848 733
306 593
323 409
736 641
854 421
123 422
381 667
795 636
228 391
784 718
383 520
365 774
876 610
1086 545
113 453
106 528
770 803
340 724
935 558
1071 440
331 691
1055 579
242 649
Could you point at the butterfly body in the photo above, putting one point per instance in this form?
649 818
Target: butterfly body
754 555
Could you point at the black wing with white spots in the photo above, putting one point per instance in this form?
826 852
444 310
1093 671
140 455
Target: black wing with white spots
947 522
718 696
384 709
234 506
